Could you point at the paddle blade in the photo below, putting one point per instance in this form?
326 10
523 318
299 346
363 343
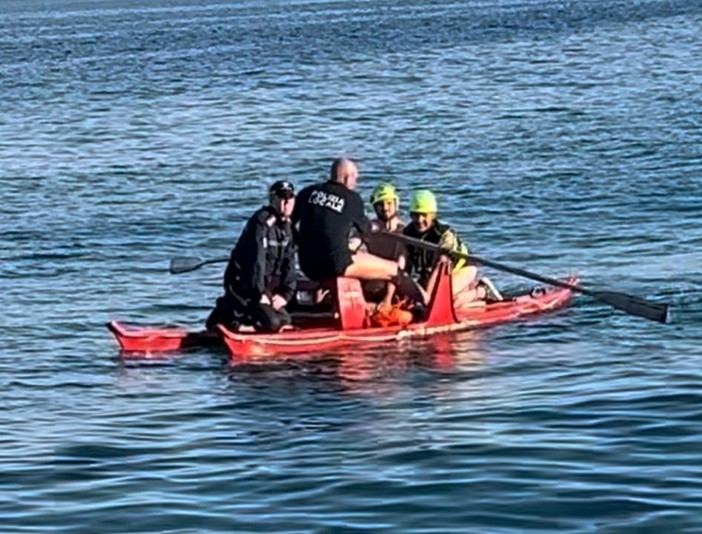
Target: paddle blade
184 264
634 305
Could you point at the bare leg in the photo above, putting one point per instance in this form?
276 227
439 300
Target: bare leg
367 266
469 297
465 290
462 282
463 278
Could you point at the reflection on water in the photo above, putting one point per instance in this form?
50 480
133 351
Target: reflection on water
373 370
559 136
377 371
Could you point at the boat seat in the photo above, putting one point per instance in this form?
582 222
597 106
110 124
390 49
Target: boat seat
305 284
308 292
348 298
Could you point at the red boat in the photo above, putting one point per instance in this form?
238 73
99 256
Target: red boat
160 339
345 324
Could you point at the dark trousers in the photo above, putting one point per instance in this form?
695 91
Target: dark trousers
232 311
266 319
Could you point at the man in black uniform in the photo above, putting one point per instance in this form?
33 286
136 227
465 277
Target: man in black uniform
260 277
324 216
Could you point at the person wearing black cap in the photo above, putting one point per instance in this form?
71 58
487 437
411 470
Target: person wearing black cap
260 277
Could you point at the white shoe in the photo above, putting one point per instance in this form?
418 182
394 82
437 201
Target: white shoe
491 292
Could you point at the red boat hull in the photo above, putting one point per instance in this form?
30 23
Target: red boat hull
243 347
140 339
441 318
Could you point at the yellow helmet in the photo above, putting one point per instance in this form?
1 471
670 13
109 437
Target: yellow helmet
423 201
385 191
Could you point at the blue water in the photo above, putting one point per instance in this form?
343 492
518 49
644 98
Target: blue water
561 137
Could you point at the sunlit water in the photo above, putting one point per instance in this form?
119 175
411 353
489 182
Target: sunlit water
561 137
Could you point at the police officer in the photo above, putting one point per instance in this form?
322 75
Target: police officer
325 215
259 280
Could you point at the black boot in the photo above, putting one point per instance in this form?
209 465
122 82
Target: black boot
408 287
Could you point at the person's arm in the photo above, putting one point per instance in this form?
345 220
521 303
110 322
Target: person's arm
230 272
407 253
450 241
300 203
253 277
359 220
288 275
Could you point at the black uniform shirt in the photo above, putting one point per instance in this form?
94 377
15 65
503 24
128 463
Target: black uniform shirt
324 216
263 260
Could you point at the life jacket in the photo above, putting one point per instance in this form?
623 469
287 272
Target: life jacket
390 316
422 261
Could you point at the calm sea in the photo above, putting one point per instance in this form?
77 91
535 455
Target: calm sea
560 136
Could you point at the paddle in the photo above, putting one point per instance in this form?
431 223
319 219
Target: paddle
621 301
184 264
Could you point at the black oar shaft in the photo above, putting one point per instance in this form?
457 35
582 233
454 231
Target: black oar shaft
521 272
627 303
182 265
419 243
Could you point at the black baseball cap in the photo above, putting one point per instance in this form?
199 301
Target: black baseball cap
283 189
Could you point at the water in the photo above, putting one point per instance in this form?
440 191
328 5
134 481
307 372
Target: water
561 137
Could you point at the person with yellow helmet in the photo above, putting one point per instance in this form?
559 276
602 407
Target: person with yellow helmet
427 227
385 202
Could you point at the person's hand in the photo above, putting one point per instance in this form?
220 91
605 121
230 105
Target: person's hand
265 299
355 243
278 302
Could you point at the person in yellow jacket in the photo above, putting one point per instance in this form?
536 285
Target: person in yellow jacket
427 227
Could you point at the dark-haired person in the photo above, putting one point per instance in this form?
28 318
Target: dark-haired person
260 277
385 202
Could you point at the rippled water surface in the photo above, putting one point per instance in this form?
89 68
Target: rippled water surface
562 137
